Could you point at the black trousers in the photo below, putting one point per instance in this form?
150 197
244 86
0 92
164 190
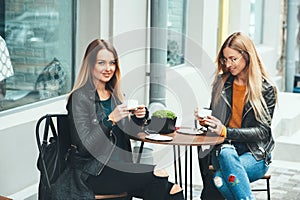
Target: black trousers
209 191
137 180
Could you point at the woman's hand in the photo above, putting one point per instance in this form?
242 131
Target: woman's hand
201 120
119 113
140 112
214 124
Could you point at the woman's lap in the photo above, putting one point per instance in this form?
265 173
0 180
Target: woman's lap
255 169
122 177
236 172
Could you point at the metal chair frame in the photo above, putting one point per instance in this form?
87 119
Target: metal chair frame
61 125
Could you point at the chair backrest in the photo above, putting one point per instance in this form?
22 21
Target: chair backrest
53 148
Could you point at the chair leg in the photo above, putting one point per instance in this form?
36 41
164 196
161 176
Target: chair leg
268 189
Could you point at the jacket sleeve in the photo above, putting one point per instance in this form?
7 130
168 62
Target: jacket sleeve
252 130
87 135
141 121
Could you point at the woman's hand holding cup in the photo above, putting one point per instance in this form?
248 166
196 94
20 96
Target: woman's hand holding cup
201 115
132 104
140 112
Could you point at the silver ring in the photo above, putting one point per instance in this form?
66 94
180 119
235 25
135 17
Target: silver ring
215 126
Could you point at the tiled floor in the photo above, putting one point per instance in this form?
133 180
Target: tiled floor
284 183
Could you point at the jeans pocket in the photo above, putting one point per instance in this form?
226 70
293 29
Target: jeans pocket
216 153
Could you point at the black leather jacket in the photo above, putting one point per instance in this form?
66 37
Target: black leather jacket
93 142
257 136
93 136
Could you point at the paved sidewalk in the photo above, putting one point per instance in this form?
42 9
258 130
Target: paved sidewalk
284 183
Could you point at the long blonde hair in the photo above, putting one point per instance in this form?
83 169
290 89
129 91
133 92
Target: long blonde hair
255 70
89 59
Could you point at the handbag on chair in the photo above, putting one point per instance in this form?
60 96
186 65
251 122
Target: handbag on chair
53 152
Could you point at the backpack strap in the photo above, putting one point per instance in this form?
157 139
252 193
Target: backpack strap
41 147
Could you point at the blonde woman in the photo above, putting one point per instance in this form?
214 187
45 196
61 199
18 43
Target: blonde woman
242 103
100 124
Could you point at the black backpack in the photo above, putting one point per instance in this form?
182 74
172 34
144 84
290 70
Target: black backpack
53 151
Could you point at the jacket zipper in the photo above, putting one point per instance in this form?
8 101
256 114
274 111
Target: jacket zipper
226 101
114 145
110 153
247 112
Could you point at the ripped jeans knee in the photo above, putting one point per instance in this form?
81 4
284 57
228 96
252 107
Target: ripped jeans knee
231 187
218 180
221 185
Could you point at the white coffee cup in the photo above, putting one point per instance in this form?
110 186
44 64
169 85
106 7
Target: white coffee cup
204 112
132 104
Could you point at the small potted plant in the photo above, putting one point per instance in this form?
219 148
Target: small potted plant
163 121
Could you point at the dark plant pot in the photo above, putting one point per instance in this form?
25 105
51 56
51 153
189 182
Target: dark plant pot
162 125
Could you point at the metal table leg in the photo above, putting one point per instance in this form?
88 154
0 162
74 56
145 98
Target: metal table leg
140 153
191 173
179 167
186 175
175 164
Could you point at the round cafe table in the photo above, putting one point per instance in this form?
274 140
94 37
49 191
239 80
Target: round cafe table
188 138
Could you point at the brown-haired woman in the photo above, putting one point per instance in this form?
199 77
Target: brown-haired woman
100 124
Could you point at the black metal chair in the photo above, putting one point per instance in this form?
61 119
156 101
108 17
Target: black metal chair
57 124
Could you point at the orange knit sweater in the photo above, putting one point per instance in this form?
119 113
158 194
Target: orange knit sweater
238 102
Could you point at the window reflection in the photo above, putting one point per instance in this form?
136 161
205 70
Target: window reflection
39 37
176 27
256 20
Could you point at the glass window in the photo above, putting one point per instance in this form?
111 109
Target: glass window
256 20
176 35
39 36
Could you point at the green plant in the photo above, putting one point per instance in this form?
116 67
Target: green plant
164 114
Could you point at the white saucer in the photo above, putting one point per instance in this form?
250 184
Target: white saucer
189 131
158 137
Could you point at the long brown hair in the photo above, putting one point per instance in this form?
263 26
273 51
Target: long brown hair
255 70
89 59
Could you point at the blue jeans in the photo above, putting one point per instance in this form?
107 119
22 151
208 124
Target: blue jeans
234 173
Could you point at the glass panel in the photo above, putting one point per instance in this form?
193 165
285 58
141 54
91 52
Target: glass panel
256 20
39 37
177 29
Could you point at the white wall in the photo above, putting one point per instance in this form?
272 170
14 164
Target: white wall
269 50
189 84
202 25
130 22
18 145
